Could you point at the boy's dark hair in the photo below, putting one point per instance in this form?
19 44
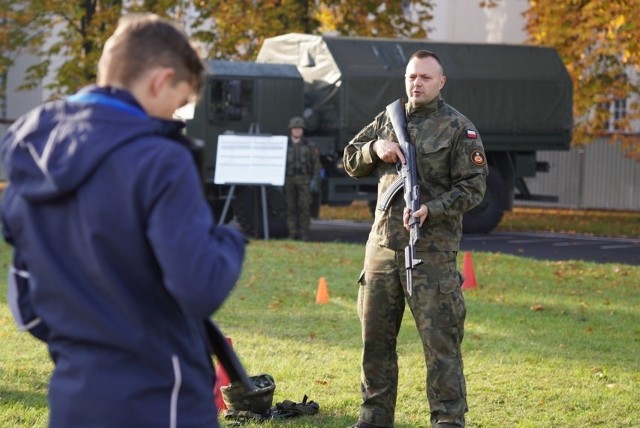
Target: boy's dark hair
142 42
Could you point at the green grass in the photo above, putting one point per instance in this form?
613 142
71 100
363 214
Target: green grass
547 344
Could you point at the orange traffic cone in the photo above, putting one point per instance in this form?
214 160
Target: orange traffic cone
222 379
322 295
467 272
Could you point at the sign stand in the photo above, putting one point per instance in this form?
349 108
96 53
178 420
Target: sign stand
265 216
250 160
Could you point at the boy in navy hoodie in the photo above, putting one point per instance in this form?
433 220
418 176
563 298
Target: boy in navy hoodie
117 260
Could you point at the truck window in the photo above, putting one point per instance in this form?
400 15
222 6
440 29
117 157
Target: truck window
390 55
231 99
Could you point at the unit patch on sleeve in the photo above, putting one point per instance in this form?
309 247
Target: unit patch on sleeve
472 134
478 158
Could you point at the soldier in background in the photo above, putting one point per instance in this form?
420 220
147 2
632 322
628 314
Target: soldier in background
452 170
302 178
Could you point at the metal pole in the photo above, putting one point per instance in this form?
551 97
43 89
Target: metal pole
227 202
265 215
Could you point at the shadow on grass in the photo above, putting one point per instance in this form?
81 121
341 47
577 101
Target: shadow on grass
32 400
553 331
317 421
18 407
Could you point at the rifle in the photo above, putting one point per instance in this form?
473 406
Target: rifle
407 179
226 356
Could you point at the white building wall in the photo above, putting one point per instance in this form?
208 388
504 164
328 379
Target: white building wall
20 102
466 21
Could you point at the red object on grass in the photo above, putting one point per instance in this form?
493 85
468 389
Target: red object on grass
222 379
467 272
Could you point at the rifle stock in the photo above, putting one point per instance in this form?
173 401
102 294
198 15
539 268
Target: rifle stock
226 356
409 175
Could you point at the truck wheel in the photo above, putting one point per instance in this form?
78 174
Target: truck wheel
487 215
316 201
247 206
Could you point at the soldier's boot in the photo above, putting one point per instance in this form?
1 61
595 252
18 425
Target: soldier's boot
445 421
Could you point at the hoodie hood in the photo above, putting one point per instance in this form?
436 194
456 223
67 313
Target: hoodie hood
52 150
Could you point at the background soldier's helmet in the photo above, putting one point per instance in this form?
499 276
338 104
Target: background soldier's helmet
296 122
236 397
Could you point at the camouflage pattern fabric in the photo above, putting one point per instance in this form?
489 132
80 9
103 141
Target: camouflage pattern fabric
438 308
303 165
451 167
236 397
452 175
302 158
298 197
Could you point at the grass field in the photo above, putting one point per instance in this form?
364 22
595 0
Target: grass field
547 344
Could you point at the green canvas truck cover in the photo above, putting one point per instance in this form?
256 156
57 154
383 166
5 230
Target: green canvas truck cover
519 97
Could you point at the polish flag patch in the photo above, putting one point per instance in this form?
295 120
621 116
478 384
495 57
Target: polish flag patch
472 134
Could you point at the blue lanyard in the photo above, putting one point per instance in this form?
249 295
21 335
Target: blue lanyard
93 98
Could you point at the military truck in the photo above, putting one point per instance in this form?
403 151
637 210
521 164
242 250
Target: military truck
519 98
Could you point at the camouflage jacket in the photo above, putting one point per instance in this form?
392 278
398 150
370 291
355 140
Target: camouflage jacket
302 158
452 172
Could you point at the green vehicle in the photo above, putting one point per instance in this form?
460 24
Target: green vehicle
519 98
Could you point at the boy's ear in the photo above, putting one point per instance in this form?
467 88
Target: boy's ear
159 78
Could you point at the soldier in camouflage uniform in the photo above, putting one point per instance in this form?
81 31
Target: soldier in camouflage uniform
303 170
451 169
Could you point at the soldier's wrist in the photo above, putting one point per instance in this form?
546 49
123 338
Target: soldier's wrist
372 150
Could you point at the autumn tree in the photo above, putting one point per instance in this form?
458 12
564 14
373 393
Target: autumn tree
404 19
599 42
71 33
67 37
237 29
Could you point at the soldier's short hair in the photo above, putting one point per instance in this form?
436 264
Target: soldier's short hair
423 53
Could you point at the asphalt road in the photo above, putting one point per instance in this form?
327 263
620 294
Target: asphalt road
541 246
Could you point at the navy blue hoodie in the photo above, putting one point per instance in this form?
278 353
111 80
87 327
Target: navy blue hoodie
117 261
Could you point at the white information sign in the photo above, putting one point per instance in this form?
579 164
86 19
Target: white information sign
251 159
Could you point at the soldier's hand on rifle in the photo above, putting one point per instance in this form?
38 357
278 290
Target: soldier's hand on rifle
421 214
388 151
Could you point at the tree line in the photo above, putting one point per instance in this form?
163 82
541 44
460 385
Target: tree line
598 40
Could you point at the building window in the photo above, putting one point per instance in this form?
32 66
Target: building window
617 112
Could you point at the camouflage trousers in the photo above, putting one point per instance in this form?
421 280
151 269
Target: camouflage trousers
298 196
438 308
